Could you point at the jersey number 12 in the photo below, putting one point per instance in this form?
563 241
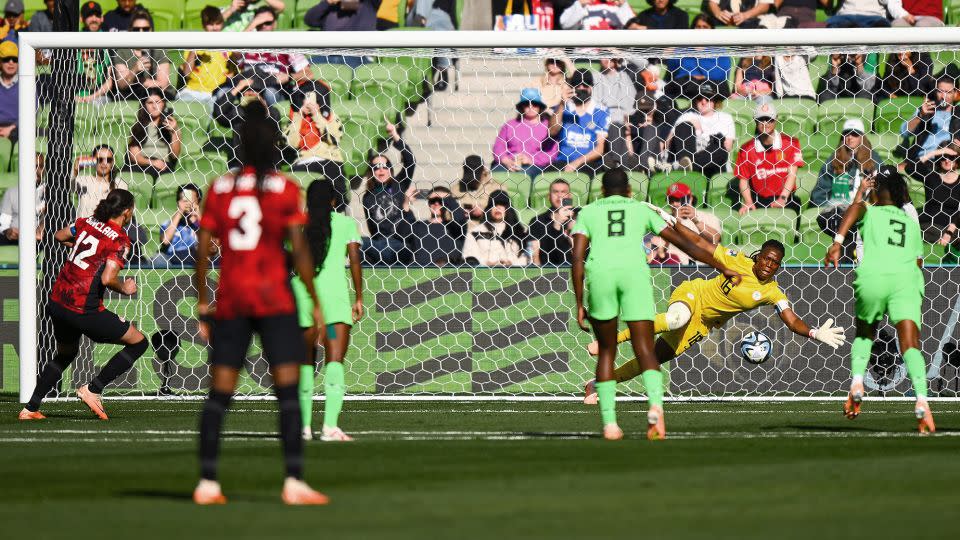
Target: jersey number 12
246 235
76 256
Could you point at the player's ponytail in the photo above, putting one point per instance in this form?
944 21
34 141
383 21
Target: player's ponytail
259 138
115 203
319 195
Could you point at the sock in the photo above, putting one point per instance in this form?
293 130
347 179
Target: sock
607 394
653 382
624 335
306 396
627 371
290 430
48 378
917 370
211 423
118 365
660 323
333 388
860 355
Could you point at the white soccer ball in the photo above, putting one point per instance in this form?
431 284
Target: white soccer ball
756 347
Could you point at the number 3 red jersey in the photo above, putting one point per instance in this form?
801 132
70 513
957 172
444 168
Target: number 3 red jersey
252 227
79 286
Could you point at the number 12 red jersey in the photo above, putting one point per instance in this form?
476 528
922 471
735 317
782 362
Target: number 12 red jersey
252 227
79 287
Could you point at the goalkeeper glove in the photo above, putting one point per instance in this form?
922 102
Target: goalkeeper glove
666 216
829 334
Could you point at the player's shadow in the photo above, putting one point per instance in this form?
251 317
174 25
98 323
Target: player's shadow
185 496
831 429
558 435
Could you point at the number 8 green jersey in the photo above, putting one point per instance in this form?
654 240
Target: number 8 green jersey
616 226
892 242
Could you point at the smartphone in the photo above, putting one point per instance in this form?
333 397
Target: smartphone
424 193
566 202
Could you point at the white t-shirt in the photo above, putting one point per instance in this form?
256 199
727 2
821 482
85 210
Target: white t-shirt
717 123
793 77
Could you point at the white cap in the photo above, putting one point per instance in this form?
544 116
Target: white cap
765 110
854 124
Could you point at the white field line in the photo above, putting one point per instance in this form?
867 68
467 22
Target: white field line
585 410
181 436
516 399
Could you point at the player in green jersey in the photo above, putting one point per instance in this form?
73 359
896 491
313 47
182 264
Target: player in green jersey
619 285
332 237
888 282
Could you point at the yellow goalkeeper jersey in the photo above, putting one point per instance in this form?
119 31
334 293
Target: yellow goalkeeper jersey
720 300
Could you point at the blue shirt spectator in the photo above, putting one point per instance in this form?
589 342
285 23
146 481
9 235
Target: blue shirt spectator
937 133
581 125
713 69
580 131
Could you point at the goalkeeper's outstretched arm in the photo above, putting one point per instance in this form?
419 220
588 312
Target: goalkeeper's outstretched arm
826 333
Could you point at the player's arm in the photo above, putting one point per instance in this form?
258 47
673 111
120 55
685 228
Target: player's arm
65 236
827 333
303 265
580 243
111 279
695 247
853 214
356 272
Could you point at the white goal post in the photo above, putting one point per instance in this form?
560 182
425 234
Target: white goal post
693 42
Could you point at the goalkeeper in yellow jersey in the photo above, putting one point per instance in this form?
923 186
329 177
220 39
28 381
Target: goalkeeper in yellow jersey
699 305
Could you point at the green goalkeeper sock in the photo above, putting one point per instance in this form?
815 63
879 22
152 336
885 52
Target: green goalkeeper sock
653 382
859 356
334 388
607 395
306 395
917 370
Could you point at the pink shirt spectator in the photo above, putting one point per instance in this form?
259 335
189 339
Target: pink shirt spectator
522 137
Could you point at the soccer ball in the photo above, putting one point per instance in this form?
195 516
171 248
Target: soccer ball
755 347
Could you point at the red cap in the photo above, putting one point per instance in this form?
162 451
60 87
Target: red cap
678 190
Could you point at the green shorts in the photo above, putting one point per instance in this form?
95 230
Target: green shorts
900 296
623 292
334 300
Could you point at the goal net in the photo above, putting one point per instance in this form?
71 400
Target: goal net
466 222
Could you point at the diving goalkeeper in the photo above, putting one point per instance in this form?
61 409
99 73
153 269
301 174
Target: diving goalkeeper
699 305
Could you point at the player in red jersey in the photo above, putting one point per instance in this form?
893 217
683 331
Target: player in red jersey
253 213
99 248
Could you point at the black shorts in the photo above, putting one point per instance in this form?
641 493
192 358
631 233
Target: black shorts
280 337
100 326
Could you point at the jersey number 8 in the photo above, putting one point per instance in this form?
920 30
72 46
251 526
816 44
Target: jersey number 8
246 235
615 223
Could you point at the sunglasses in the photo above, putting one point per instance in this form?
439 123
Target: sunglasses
851 132
104 160
766 120
379 166
8 59
140 29
435 200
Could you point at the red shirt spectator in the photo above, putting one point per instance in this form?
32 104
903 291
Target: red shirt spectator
925 8
767 168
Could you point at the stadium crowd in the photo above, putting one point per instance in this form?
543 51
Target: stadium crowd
671 119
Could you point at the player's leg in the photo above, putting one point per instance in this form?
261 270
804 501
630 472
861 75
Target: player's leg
305 386
606 334
283 348
135 344
674 319
643 351
67 336
336 341
860 351
905 311
229 341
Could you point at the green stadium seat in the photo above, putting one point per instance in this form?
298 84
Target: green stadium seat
797 117
380 85
890 114
141 185
818 65
337 76
717 192
298 12
917 195
886 144
359 137
639 185
833 113
758 226
518 185
657 192
167 14
9 255
579 189
806 181
742 112
813 243
6 154
191 13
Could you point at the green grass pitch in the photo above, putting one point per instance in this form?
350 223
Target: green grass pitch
489 470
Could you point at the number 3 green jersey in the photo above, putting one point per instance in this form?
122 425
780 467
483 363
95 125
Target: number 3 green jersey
892 242
616 226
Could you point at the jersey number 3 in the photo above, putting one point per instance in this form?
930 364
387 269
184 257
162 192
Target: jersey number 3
76 256
246 235
899 231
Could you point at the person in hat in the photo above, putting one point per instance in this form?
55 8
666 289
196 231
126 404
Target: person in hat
91 15
682 204
500 238
701 138
9 90
474 188
553 83
766 168
524 143
688 74
13 21
581 126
